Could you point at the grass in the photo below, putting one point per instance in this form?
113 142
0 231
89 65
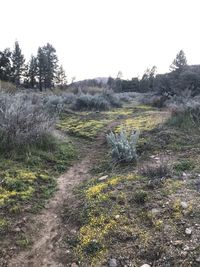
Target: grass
29 178
124 216
82 126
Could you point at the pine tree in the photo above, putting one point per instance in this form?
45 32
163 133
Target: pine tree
17 64
5 65
179 62
32 71
47 66
41 62
51 65
61 77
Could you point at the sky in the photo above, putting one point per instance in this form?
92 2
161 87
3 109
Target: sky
98 38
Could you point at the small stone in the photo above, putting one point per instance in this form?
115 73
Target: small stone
186 248
145 265
117 216
74 265
178 243
184 254
102 178
188 231
198 259
113 263
17 229
184 205
155 211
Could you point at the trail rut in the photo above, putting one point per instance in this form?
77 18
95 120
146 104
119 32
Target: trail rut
45 250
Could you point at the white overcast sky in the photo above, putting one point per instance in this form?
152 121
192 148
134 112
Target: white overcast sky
97 38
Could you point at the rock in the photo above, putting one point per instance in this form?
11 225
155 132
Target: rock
198 259
185 175
188 231
186 248
102 178
184 205
17 229
155 211
117 216
145 265
112 263
184 254
178 243
74 265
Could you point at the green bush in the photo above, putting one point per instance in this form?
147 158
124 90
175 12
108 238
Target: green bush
185 117
103 101
156 171
123 146
185 165
141 197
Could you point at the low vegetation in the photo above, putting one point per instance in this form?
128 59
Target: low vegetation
123 147
141 204
139 214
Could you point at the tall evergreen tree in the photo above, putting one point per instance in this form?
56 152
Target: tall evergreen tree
47 66
32 71
17 64
179 62
5 65
41 63
51 65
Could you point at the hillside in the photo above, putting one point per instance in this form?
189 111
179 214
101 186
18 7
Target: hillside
103 213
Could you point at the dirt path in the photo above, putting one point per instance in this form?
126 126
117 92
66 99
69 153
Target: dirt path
49 226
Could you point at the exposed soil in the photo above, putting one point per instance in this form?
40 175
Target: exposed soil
47 227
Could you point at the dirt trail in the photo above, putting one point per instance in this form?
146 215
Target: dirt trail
50 229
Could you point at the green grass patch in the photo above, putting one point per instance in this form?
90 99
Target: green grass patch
184 165
29 177
82 126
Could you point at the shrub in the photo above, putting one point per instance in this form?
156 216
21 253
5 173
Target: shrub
184 165
154 100
103 101
123 146
91 102
185 116
7 86
140 197
127 96
24 119
156 171
112 98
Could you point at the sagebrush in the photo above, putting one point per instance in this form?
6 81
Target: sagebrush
123 146
24 119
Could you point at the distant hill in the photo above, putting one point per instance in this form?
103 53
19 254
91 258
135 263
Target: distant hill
99 81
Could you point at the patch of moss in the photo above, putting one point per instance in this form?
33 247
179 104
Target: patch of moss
23 242
101 215
3 224
184 165
83 127
171 186
143 122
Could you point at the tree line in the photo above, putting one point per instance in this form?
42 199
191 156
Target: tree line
41 71
181 76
